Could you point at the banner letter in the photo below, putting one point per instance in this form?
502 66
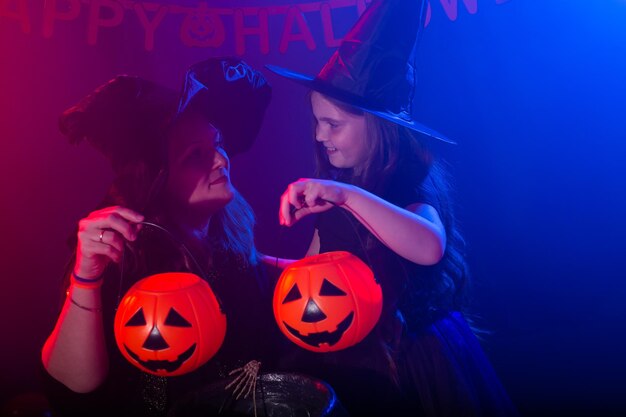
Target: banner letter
150 26
262 30
51 13
451 7
20 13
95 21
295 16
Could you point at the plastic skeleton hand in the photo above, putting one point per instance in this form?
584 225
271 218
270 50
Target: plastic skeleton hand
245 382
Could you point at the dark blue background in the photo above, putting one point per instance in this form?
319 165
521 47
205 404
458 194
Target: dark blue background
533 91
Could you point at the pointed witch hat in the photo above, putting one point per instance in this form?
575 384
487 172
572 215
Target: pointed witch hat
126 119
232 95
373 67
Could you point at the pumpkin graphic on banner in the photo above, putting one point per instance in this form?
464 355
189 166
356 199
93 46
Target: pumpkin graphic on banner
169 324
327 302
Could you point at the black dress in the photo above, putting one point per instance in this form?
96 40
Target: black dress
422 358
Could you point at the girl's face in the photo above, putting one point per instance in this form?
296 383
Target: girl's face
198 166
343 134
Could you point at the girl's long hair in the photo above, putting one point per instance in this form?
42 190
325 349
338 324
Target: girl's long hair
398 152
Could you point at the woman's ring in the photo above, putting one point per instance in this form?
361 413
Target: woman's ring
101 235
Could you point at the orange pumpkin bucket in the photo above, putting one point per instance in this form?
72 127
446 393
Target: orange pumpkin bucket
169 324
327 302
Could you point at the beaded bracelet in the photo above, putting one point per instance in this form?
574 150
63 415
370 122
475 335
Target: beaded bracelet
85 283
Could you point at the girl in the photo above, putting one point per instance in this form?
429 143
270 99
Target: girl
381 195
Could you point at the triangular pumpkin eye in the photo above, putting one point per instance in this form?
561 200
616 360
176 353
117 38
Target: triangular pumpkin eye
293 295
137 319
329 289
175 319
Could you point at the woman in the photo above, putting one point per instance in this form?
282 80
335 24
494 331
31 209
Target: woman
382 196
179 180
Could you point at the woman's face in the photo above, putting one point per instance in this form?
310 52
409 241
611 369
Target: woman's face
198 166
343 134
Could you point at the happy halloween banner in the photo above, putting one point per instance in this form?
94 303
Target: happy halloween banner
202 25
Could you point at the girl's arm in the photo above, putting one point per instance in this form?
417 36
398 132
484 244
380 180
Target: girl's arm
415 233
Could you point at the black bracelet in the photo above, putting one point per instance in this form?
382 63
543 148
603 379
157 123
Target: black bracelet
93 310
86 280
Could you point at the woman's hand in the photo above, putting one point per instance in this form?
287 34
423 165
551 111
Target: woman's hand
307 196
101 238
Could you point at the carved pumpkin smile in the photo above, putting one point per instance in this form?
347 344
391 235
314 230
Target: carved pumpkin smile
330 338
163 365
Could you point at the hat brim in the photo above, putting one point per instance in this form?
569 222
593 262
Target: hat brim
355 101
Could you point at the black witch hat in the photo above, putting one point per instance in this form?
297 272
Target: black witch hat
126 119
373 67
232 95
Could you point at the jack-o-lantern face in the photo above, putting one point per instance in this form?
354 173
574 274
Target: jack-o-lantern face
327 302
169 324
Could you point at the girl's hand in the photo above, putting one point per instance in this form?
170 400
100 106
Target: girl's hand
101 238
307 196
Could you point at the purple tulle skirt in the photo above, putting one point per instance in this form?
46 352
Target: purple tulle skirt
448 374
439 370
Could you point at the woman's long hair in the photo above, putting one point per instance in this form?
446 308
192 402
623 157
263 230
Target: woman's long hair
230 232
140 187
